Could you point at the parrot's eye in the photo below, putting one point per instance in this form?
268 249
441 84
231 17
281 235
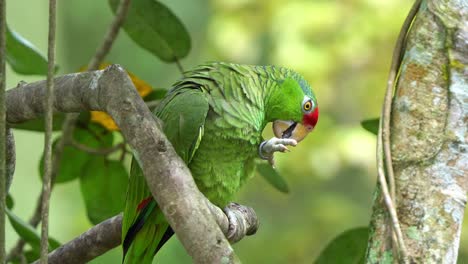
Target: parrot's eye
307 105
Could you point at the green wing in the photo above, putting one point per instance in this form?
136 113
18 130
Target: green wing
183 112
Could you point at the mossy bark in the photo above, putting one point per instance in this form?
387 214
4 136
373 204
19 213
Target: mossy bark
428 139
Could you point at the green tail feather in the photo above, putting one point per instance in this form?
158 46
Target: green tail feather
146 236
144 228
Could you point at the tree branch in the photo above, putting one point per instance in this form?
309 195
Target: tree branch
3 137
97 151
91 244
48 102
167 176
428 141
107 234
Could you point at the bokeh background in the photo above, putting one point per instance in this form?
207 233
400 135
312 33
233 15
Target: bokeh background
343 48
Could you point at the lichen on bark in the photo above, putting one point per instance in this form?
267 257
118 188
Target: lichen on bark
428 138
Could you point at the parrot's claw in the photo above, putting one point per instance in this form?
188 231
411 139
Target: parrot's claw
232 219
271 160
268 147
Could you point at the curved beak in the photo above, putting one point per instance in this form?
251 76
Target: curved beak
290 129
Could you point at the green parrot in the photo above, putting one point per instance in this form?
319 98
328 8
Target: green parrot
214 118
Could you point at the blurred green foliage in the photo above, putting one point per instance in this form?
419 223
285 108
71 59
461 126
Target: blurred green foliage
273 177
22 56
343 48
104 186
30 236
155 28
38 124
371 125
353 242
90 135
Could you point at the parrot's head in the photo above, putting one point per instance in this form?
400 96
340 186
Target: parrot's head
294 109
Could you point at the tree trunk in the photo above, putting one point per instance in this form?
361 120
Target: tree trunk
428 139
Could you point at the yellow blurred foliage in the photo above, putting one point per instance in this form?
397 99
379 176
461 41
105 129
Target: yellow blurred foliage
103 118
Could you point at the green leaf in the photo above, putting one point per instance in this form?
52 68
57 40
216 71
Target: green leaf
38 124
155 28
22 56
156 94
95 136
273 177
371 125
26 232
347 248
74 160
9 202
103 185
32 255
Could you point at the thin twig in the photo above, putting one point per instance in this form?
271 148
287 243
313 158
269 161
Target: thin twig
388 200
111 35
387 107
96 151
3 172
383 142
179 66
49 111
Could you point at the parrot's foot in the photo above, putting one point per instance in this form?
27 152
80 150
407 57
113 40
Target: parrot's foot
268 147
242 221
232 219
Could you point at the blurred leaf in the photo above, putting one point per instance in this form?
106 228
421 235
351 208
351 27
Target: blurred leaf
32 255
97 136
15 261
22 56
103 185
70 166
39 125
273 177
105 120
155 28
9 202
74 160
371 125
347 248
156 94
26 232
